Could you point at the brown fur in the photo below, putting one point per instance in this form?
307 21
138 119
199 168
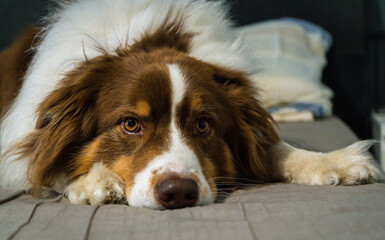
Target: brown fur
256 127
14 62
168 35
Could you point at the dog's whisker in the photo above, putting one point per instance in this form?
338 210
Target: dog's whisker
237 179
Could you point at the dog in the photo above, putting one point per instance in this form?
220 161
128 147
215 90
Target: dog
147 103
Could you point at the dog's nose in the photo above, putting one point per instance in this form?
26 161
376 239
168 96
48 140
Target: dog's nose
177 193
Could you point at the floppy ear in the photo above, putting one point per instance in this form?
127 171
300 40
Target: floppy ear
65 122
254 133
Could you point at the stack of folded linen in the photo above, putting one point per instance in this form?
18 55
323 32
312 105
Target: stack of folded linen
288 56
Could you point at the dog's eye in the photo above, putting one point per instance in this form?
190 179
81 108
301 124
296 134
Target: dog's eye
203 126
131 125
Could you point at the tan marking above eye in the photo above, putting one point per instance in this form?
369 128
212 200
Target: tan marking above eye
196 103
143 109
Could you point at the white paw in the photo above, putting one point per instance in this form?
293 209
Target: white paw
349 166
99 186
355 165
315 173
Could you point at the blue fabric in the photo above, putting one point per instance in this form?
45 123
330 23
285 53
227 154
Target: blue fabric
317 109
312 28
309 27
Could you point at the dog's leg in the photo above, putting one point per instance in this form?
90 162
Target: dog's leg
348 166
100 185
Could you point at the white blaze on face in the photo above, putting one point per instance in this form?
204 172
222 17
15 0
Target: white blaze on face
179 158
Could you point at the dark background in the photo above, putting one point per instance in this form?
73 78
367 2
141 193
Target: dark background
356 62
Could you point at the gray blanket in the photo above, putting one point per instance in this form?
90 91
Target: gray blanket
269 211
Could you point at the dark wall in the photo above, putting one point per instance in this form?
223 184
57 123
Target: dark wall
17 15
346 72
375 22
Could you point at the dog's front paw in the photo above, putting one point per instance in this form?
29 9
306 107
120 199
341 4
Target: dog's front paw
314 172
99 186
349 166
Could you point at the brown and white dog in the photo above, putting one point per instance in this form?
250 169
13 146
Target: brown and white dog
146 102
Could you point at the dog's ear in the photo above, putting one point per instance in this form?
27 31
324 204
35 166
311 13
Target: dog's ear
65 122
254 133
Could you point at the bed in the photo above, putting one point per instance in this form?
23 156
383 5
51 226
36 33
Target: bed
267 211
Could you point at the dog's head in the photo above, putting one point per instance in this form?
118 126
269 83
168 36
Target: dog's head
174 128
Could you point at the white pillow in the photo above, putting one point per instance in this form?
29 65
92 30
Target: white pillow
289 56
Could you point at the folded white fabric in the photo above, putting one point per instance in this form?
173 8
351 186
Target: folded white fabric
297 112
289 56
